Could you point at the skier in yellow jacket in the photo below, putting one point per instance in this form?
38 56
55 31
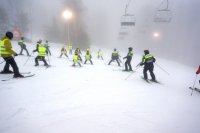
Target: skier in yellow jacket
6 53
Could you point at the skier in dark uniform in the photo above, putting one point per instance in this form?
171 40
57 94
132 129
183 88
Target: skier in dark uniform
128 59
198 72
23 46
115 56
147 61
63 51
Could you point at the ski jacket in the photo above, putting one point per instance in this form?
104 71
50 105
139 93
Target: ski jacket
76 58
88 56
115 55
129 55
148 59
100 53
198 71
70 47
42 51
21 42
63 50
6 48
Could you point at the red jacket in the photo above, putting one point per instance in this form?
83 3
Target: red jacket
198 71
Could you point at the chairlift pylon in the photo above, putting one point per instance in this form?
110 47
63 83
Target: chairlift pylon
163 15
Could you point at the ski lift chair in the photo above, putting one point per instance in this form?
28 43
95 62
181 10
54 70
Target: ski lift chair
128 20
163 16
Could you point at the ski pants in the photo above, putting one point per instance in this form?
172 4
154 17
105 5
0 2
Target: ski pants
40 58
88 60
23 47
11 61
114 60
128 64
150 69
76 62
64 54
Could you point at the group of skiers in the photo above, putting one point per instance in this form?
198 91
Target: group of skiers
43 50
7 54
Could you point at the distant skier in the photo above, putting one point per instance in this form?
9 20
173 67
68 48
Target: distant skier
23 46
88 57
46 45
128 60
115 56
198 72
76 60
100 54
78 52
42 51
6 53
147 61
63 51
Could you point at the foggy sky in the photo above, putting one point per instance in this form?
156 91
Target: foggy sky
179 40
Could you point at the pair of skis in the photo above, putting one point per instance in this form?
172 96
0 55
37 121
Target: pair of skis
196 89
26 75
151 81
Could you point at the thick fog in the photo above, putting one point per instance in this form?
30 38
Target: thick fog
98 23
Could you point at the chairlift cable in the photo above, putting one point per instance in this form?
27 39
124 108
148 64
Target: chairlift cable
167 4
127 5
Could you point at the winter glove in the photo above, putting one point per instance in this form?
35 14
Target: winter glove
16 54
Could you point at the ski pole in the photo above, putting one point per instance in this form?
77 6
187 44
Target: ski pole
162 69
132 73
48 58
28 58
194 84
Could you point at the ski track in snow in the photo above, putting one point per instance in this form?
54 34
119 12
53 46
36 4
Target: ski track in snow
97 98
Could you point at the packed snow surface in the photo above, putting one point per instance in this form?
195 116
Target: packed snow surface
98 98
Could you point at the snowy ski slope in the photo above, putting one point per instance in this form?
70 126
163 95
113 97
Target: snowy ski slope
97 98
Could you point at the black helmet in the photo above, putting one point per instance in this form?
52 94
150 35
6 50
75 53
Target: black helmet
146 51
115 49
130 48
9 34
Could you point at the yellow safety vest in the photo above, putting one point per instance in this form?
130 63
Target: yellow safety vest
70 47
148 58
75 58
87 56
20 42
100 53
3 50
42 51
130 53
115 53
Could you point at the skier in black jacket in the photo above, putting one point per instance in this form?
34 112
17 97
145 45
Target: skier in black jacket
147 61
128 59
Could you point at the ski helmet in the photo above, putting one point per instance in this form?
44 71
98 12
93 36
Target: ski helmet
146 51
9 34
